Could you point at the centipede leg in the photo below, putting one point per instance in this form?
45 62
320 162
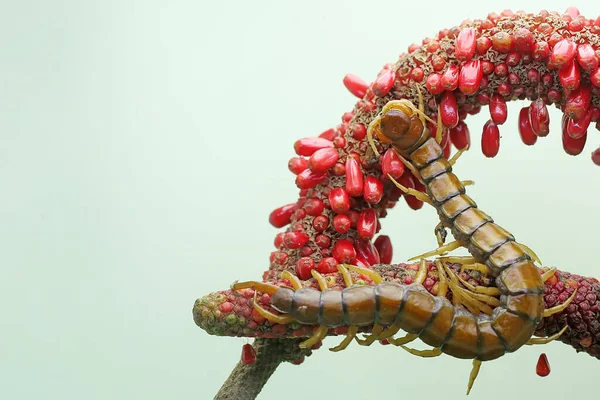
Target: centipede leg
276 319
320 280
316 338
377 279
351 334
456 156
492 292
294 280
369 339
439 132
422 272
443 283
548 274
440 234
410 166
474 302
473 375
546 340
439 251
467 182
424 353
409 337
531 253
346 275
410 191
556 309
389 332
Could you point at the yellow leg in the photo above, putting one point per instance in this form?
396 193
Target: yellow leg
276 319
493 292
531 253
409 337
484 269
296 284
410 191
389 332
556 309
316 338
548 274
440 234
546 340
346 275
351 334
320 280
422 272
410 166
473 375
456 156
439 132
369 339
260 286
467 183
377 279
423 353
470 300
443 283
459 260
373 126
439 251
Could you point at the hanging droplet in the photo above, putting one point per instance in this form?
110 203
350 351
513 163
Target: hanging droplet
248 354
543 367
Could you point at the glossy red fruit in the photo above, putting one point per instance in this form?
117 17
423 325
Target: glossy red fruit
281 216
323 159
539 118
525 130
297 165
470 77
570 76
308 179
541 50
450 78
314 207
391 164
343 251
384 83
295 240
577 128
524 40
341 223
248 354
460 136
572 146
596 156
339 200
372 190
434 84
498 109
383 244
356 85
577 102
307 146
563 53
304 267
367 223
358 131
323 241
465 44
320 223
449 110
366 252
490 139
327 265
354 177
542 367
587 58
502 42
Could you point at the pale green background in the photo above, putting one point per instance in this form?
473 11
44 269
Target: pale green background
143 145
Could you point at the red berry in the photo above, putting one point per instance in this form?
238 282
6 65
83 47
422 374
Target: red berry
490 139
596 156
434 84
323 159
297 165
327 265
466 44
498 109
383 244
366 253
355 85
328 134
577 128
483 45
470 77
541 50
587 58
524 40
449 110
578 102
354 177
248 354
358 131
542 367
281 216
339 201
504 89
314 207
320 223
525 130
570 76
323 241
295 240
307 146
595 77
503 42
343 251
341 223
459 136
304 267
572 146
450 78
298 361
372 190
367 223
308 179
539 118
384 82
563 53
391 164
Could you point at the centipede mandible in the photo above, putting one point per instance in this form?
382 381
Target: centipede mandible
331 275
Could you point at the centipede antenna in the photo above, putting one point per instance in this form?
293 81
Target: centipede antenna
413 192
276 319
320 333
373 125
473 375
546 340
294 280
556 309
439 251
351 334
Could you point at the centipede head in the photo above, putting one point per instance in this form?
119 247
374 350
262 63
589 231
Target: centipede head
402 127
281 300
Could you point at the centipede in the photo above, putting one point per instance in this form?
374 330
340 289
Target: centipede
396 143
